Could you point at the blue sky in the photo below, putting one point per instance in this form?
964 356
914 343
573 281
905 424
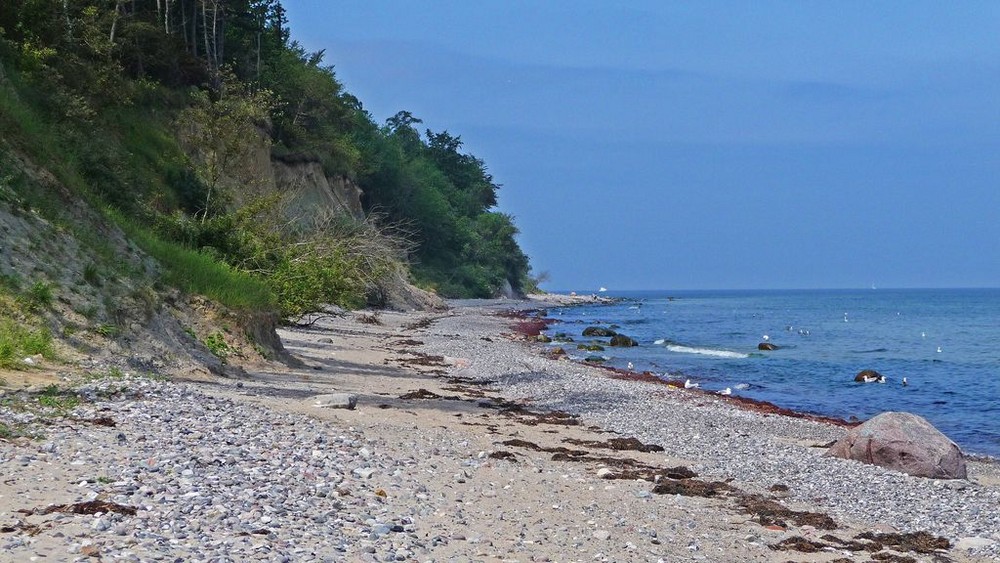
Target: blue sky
706 145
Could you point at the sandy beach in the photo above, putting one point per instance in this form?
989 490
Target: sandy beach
467 443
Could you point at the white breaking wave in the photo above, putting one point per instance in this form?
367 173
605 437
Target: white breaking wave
705 351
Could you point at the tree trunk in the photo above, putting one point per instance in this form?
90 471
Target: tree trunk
69 22
220 37
114 20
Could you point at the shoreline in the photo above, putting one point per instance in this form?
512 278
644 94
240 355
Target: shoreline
533 326
677 377
466 443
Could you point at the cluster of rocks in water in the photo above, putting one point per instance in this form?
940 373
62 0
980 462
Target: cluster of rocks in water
616 339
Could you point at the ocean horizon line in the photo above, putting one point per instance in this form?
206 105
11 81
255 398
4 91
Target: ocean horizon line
763 290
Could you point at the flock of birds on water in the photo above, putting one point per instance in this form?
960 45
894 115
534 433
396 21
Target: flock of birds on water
688 384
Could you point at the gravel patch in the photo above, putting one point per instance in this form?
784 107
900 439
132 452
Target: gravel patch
205 479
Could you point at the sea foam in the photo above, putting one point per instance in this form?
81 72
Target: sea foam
680 349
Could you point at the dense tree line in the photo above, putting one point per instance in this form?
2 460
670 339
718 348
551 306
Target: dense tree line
128 67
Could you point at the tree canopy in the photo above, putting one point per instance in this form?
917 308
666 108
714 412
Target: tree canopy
233 66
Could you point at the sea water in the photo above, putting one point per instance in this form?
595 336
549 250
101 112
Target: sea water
946 343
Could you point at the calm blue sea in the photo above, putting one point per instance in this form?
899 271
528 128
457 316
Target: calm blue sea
945 342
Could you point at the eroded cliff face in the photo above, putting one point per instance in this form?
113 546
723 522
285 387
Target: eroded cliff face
310 198
311 195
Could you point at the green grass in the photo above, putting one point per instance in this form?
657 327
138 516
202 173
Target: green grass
38 296
197 273
216 344
25 127
18 341
60 400
120 379
91 275
10 432
151 151
107 330
10 282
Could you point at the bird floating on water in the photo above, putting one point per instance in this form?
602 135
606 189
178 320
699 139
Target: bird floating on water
766 338
689 385
939 349
726 391
905 383
630 366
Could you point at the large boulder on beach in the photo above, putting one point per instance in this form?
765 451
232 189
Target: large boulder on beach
904 442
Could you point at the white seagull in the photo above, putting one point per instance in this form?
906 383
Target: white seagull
630 366
905 382
726 391
689 385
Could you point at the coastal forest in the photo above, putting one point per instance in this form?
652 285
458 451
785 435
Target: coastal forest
149 145
193 146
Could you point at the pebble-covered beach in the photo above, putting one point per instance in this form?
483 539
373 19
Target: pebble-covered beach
144 469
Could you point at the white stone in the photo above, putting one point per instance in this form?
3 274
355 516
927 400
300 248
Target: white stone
336 401
973 542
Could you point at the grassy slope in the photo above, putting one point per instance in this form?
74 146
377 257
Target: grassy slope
75 271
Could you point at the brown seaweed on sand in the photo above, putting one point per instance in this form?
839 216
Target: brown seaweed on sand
691 488
425 394
875 544
88 507
617 444
767 512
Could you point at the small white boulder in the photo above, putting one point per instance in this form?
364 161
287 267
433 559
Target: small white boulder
336 401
